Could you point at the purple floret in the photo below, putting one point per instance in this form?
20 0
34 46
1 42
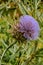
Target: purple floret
29 27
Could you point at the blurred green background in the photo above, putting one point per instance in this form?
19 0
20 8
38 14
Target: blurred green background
24 53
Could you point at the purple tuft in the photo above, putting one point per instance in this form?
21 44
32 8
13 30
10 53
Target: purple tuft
29 27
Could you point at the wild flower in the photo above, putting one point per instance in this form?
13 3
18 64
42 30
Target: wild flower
29 27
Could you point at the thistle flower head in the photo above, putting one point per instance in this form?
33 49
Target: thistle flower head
29 27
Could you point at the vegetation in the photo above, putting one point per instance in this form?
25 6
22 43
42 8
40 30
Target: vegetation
13 52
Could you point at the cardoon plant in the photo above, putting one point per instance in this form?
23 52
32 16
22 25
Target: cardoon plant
27 28
20 41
